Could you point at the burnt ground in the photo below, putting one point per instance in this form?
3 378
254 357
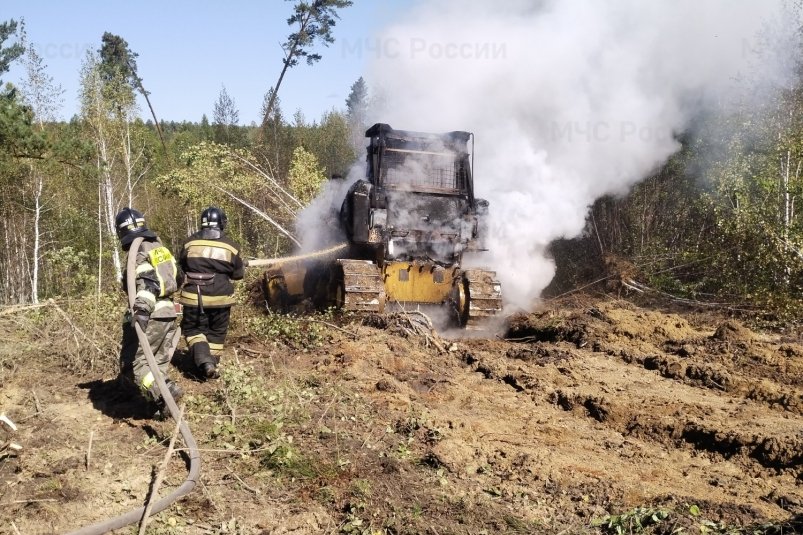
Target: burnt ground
584 416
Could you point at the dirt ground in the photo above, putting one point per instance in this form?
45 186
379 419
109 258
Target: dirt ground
592 415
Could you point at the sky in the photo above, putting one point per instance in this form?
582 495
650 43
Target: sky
189 50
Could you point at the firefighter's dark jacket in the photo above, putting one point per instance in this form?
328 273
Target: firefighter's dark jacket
154 289
210 251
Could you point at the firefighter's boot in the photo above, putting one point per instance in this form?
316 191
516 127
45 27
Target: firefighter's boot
204 360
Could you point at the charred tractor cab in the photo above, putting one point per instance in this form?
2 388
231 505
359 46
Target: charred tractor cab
408 224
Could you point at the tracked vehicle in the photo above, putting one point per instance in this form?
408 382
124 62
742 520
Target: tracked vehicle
408 225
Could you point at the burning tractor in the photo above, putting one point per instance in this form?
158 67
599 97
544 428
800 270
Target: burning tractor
408 225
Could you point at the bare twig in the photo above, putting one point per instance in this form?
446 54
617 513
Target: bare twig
36 401
246 487
232 410
261 214
89 449
14 526
271 180
253 351
9 446
332 325
74 326
207 494
326 409
160 475
13 309
7 421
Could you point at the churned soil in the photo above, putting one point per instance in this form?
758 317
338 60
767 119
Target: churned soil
561 420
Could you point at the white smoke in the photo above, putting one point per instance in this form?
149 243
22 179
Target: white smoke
318 224
569 100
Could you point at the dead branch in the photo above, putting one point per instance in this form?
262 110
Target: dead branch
630 283
160 475
36 401
270 179
13 309
332 325
261 214
89 449
246 487
74 326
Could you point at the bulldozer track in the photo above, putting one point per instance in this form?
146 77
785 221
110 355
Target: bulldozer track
484 297
358 286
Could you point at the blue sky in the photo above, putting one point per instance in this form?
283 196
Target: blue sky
189 49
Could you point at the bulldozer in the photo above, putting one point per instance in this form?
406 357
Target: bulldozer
408 225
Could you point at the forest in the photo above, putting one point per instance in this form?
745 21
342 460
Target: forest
717 223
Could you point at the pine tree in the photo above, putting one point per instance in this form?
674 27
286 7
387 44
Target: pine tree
314 22
225 118
357 113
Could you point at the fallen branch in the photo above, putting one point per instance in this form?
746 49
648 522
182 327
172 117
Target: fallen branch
160 475
231 472
332 325
51 302
36 401
13 309
261 214
271 180
630 283
89 449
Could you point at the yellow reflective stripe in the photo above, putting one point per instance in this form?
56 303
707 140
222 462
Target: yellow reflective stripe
192 340
210 243
213 253
164 303
148 380
213 346
207 299
161 283
147 296
144 268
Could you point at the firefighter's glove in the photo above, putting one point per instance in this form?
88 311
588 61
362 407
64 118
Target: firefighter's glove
141 317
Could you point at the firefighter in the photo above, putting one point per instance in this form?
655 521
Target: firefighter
157 278
211 261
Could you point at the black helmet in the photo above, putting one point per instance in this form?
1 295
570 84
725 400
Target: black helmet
130 224
213 217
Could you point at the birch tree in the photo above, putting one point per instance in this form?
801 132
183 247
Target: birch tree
108 109
44 97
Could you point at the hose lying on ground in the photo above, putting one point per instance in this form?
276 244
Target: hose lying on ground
189 440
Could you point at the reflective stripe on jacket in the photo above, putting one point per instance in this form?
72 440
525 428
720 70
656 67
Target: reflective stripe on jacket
210 251
152 283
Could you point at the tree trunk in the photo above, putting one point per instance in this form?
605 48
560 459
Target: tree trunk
287 60
39 183
100 240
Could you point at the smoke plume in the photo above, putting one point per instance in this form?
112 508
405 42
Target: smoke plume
569 100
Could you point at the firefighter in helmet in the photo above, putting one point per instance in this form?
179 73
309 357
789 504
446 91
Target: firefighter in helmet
157 278
211 261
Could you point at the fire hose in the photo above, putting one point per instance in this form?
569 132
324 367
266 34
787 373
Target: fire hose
256 262
195 457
